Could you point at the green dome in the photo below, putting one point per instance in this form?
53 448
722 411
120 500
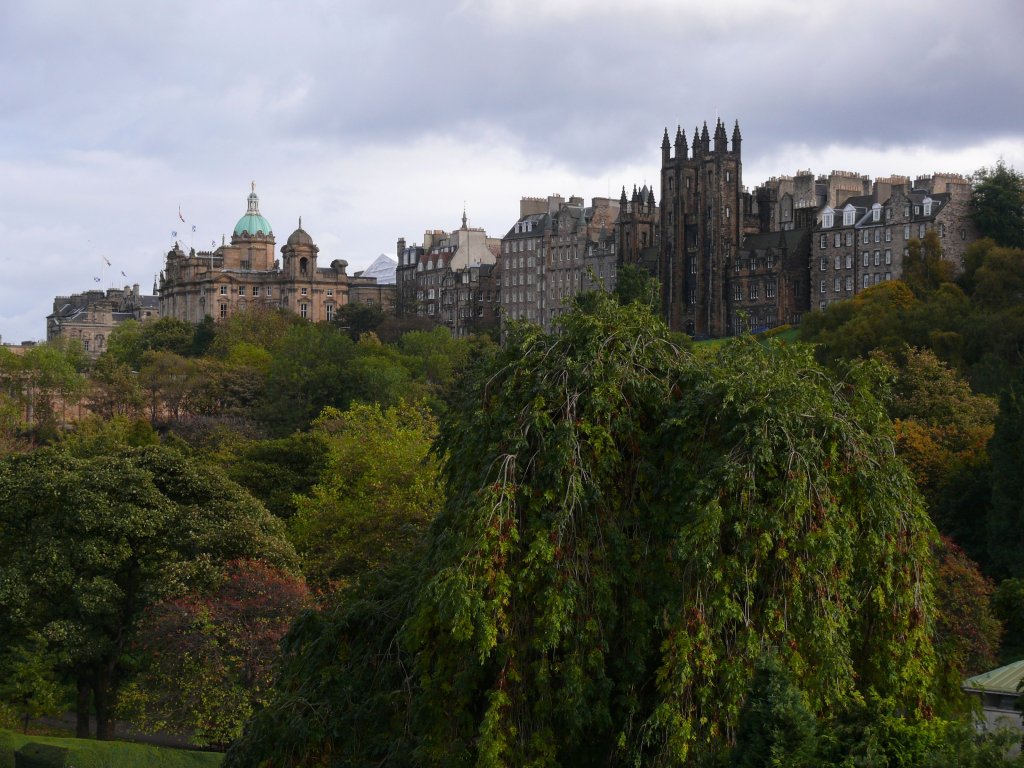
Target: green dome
253 223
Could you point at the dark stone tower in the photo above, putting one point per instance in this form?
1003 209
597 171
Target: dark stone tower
701 229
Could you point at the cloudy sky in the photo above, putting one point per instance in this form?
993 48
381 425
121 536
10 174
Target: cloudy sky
377 120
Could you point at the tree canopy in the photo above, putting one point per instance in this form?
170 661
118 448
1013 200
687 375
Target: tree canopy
997 204
630 530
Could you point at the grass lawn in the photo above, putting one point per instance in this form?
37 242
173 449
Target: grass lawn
85 753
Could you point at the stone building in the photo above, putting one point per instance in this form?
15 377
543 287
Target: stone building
863 240
556 250
701 228
245 274
452 278
90 316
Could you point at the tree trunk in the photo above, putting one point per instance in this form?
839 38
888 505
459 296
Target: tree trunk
82 708
101 699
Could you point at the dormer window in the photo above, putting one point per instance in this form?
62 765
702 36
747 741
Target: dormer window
848 214
827 219
876 212
928 206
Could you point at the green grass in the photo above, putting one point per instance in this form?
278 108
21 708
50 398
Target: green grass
85 753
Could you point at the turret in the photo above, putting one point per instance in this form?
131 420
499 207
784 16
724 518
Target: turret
705 140
720 140
736 138
680 144
665 152
696 141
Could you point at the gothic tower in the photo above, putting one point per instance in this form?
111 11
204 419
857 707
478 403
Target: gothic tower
701 228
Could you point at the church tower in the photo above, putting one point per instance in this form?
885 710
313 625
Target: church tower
701 229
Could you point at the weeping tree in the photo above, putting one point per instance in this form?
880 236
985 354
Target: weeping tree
631 529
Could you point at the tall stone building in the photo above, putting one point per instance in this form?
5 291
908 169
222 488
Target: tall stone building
245 274
701 228
864 239
557 249
90 316
452 278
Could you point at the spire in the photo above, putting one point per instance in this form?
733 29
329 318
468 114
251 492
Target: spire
696 140
664 141
666 150
705 140
736 138
463 215
720 140
622 199
300 222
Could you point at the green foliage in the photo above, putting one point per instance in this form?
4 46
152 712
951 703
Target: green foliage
1008 604
634 283
775 727
376 496
93 437
115 388
276 471
924 269
1005 523
29 682
967 631
206 656
357 319
629 530
997 204
88 543
131 340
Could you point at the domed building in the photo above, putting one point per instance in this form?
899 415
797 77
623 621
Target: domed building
246 274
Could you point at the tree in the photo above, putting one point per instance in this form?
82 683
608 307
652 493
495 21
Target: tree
629 529
997 204
1004 527
357 319
29 680
924 268
634 283
376 496
206 655
115 388
89 543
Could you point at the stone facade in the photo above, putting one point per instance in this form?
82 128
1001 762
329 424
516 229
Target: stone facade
863 240
452 278
89 317
557 249
701 229
244 274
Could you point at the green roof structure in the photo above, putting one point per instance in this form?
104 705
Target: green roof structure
1002 680
253 223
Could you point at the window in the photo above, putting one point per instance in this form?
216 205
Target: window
876 212
878 235
838 241
826 221
864 258
865 236
849 261
920 230
255 290
330 291
269 289
942 230
878 258
223 311
824 241
303 309
693 291
849 283
867 281
878 277
837 284
737 293
906 231
823 287
849 238
823 305
303 291
824 264
838 261
888 234
241 290
330 312
753 291
848 217
769 289
888 256
693 266
223 290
